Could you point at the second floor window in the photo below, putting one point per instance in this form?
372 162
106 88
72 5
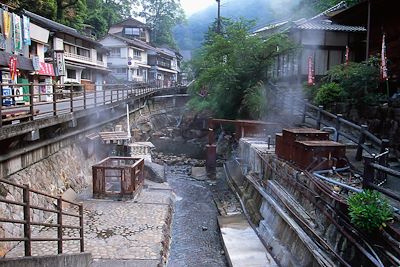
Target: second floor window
137 53
132 31
71 74
115 52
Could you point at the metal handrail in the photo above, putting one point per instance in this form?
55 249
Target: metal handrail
28 223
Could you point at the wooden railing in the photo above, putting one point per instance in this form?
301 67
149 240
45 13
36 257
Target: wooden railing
325 118
27 204
61 99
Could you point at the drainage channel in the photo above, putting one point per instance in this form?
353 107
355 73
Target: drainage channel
196 240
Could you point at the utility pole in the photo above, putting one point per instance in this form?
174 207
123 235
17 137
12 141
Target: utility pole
219 17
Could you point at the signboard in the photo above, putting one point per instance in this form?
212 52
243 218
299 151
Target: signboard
46 69
59 63
26 30
36 63
13 67
17 32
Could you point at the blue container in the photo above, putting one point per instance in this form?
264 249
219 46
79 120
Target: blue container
7 101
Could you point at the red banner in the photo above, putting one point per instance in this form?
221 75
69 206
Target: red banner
13 67
347 56
384 73
46 69
310 71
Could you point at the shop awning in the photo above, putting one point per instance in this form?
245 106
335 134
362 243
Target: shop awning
143 65
23 63
166 70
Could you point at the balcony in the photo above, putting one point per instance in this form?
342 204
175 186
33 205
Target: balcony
76 56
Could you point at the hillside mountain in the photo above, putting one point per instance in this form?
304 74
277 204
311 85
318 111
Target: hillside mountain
189 36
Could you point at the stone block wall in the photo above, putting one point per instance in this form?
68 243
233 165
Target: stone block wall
70 167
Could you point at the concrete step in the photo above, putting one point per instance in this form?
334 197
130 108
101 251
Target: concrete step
242 246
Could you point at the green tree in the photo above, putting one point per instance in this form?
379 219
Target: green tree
232 65
162 16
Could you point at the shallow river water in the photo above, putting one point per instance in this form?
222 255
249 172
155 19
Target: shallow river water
196 239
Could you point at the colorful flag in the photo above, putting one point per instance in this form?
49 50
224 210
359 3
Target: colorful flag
17 33
26 30
347 56
384 73
12 64
6 23
310 71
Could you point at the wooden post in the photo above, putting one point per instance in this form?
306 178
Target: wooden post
111 91
82 241
361 141
59 227
338 124
27 219
104 95
305 110
369 171
84 97
382 176
54 100
71 100
95 97
1 104
31 111
320 108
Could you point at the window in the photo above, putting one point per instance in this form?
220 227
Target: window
86 74
99 56
71 74
132 31
83 52
69 48
138 72
116 51
137 53
120 70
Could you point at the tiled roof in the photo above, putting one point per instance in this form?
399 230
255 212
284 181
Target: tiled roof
271 26
328 26
131 22
134 42
58 27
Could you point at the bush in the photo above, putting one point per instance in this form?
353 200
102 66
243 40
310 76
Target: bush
329 93
369 211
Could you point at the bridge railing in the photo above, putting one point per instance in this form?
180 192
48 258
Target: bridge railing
28 203
26 102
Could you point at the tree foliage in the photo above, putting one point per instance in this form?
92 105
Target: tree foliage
231 68
162 16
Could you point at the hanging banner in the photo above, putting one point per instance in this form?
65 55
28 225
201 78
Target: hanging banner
13 67
6 24
347 56
46 69
26 30
2 41
17 33
36 63
384 73
59 63
310 80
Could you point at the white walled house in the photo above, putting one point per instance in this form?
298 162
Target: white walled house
132 29
127 60
82 59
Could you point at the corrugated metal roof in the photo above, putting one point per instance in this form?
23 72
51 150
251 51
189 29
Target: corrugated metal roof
328 26
134 42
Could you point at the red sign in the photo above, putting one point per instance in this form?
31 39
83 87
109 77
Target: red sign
13 67
310 79
46 69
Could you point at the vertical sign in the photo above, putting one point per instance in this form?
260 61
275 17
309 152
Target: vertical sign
384 74
59 63
6 24
26 30
13 67
310 80
17 33
347 56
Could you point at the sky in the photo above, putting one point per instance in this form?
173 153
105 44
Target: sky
192 6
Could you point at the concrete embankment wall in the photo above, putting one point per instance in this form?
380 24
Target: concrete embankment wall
289 224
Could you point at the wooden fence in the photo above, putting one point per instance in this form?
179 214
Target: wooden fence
27 222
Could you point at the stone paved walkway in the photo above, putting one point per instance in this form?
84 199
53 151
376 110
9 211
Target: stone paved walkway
123 230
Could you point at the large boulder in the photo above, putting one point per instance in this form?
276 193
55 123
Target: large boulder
154 172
